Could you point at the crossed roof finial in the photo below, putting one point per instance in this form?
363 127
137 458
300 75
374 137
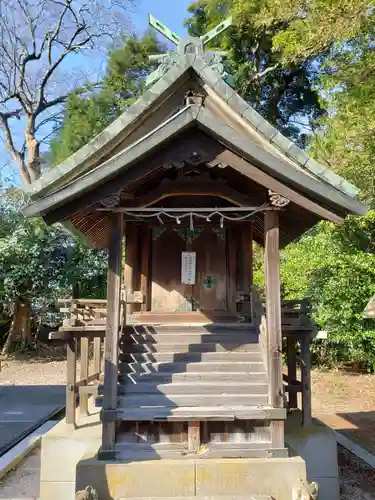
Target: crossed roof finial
174 38
189 45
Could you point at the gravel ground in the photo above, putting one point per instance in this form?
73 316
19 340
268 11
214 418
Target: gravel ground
32 373
357 479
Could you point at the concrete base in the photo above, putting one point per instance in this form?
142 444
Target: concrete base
62 448
318 447
70 463
192 477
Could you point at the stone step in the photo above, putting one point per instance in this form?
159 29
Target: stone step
241 337
186 347
201 388
165 377
172 400
191 357
182 367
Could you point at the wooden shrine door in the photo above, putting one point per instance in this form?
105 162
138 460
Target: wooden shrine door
210 290
208 293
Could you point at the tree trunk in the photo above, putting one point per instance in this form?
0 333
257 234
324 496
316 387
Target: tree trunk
20 328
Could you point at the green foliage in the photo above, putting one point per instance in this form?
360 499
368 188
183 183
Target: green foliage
347 139
41 263
335 268
281 91
86 116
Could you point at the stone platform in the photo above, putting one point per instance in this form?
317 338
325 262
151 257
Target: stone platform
69 463
317 446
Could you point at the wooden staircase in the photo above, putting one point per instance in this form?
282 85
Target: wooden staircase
172 377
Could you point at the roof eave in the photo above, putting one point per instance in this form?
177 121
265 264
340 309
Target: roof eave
81 160
166 130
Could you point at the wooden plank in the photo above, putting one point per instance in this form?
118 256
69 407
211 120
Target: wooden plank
193 414
88 390
273 306
231 251
277 434
194 438
306 381
73 315
84 400
168 293
145 243
112 329
210 250
71 377
131 266
246 452
91 378
245 266
292 370
97 354
76 330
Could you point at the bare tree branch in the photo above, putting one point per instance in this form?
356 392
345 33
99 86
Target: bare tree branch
16 155
262 74
36 38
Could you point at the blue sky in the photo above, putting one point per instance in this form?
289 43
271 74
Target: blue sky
170 12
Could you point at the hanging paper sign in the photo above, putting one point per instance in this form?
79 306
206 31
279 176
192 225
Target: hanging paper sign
188 268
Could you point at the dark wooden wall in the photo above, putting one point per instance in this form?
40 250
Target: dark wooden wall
223 267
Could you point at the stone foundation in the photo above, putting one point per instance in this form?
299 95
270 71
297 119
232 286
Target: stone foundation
69 463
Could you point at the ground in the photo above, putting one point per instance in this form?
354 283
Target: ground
346 402
341 399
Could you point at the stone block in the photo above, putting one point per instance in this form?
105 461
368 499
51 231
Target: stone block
154 478
57 490
240 477
60 457
317 445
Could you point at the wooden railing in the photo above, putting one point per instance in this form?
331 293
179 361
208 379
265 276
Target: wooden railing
85 322
297 327
297 315
84 325
83 329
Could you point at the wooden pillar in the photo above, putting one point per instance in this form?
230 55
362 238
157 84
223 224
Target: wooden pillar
306 380
194 437
84 398
245 257
97 355
112 332
231 246
273 306
292 369
145 267
71 377
131 263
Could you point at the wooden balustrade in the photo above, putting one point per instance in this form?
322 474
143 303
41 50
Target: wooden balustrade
298 328
84 330
85 322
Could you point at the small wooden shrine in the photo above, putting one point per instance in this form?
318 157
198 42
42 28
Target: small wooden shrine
178 188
